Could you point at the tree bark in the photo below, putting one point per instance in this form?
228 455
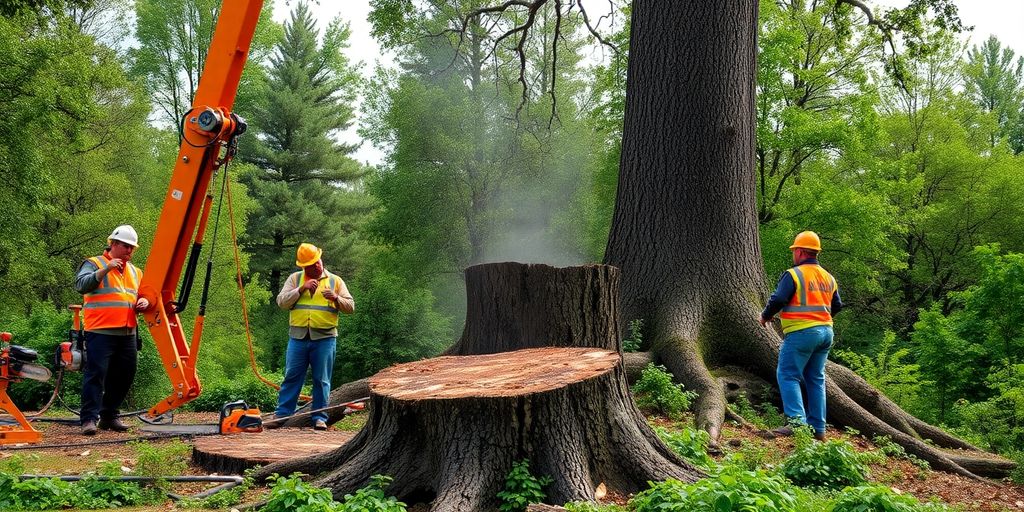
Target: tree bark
685 232
449 430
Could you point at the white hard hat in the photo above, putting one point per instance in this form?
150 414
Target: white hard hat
125 233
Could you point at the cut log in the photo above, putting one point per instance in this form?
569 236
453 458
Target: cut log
449 430
233 454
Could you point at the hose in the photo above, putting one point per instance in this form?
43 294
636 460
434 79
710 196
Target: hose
227 482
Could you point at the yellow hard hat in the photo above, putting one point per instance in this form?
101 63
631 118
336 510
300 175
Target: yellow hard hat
807 240
308 254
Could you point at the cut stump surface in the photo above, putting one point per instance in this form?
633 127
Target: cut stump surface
507 374
233 454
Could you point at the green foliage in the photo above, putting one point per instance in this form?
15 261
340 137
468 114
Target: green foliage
751 456
299 166
891 449
832 464
764 416
689 443
170 458
888 372
732 490
394 322
655 391
372 498
246 387
86 494
875 498
291 494
636 336
522 488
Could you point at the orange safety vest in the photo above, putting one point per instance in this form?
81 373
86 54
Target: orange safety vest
112 304
313 310
811 304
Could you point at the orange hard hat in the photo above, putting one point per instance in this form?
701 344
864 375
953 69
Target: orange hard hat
807 240
308 254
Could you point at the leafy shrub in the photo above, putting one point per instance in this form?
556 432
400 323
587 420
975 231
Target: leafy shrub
372 498
764 416
522 488
247 387
876 498
655 392
750 456
891 449
832 465
636 336
291 494
689 443
730 490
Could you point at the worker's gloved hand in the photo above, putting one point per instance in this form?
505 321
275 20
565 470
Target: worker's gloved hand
330 295
142 304
762 321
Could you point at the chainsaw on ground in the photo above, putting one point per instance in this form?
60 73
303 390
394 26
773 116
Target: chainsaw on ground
235 417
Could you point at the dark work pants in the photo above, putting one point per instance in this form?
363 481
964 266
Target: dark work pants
109 371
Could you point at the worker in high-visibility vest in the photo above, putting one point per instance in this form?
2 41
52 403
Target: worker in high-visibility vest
314 297
806 298
110 286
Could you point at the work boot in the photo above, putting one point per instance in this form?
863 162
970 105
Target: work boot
819 436
114 424
783 431
89 428
320 425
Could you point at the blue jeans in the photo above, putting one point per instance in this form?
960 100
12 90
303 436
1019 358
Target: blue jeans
802 361
109 371
319 355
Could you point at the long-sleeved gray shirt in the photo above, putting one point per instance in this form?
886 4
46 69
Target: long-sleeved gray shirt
289 295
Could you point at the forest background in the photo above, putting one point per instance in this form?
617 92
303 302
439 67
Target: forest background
916 188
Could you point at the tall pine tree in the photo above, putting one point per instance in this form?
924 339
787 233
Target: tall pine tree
306 184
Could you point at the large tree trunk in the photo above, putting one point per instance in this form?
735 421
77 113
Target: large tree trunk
448 429
685 228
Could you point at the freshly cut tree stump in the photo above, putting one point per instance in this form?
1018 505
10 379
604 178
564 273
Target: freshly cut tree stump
234 454
449 429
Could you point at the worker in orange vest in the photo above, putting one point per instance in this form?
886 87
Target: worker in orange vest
805 298
314 297
110 285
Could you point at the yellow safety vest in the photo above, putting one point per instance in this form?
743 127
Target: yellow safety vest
315 310
112 304
811 304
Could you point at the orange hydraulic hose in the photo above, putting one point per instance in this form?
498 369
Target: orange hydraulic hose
241 291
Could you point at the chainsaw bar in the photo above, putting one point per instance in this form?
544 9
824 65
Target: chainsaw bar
172 429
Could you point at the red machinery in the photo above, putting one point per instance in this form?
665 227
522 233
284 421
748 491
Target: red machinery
17 363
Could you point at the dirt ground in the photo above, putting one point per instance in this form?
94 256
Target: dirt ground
66 451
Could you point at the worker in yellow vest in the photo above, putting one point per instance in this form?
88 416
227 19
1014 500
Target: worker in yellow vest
314 297
110 286
806 298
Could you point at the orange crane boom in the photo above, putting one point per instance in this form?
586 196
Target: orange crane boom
208 142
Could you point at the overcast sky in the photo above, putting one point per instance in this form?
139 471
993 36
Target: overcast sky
1002 18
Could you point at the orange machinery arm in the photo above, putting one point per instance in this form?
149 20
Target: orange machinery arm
208 143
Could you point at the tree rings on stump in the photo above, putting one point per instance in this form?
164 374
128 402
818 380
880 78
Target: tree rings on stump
233 454
449 429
